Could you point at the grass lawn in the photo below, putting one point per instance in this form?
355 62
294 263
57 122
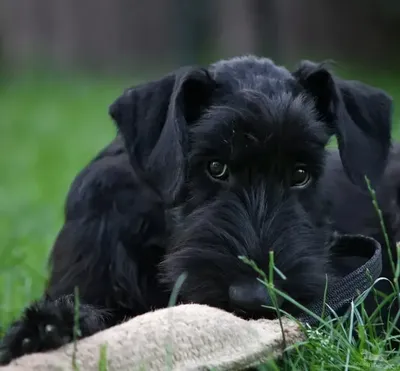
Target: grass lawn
50 128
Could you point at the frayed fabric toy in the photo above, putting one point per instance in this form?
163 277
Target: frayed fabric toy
185 337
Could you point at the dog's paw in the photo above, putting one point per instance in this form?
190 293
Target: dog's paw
47 325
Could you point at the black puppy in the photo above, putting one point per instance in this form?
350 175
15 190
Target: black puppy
210 164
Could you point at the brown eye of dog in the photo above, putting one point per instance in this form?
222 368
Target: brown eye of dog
218 170
300 178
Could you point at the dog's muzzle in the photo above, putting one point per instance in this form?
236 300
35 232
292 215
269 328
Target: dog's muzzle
252 296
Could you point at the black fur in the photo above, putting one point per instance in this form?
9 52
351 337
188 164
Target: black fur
145 210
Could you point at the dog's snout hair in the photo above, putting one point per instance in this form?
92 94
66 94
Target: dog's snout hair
249 222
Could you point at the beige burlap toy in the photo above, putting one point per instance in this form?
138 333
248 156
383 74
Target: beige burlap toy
185 337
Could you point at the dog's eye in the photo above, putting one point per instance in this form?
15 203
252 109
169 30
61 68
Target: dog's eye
218 170
300 178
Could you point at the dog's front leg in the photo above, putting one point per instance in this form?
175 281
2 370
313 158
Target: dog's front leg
49 324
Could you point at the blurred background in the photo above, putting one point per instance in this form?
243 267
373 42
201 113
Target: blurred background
62 62
129 35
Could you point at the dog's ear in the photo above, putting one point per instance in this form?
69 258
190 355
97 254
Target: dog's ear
153 119
358 114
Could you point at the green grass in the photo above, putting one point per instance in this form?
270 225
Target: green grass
50 128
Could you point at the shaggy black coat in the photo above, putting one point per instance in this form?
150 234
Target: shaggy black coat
210 164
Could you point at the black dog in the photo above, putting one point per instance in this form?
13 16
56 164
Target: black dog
210 164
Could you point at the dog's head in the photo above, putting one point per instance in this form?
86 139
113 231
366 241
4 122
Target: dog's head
237 151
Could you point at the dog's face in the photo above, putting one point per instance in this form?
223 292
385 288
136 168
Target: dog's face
238 152
253 168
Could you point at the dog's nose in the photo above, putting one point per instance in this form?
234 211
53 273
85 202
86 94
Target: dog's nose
251 296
